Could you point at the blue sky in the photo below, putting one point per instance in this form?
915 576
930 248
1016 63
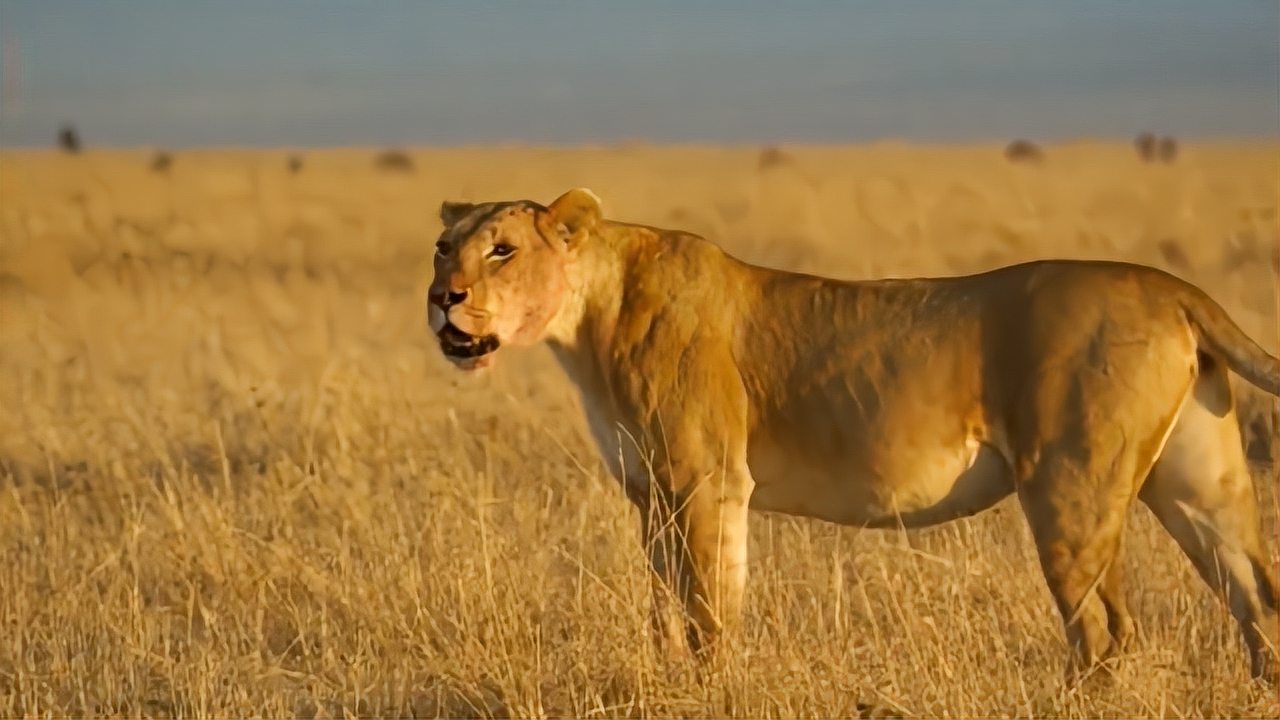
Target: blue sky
200 72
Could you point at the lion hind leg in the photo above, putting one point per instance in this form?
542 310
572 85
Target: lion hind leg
1083 438
1111 592
1076 491
1077 553
1201 493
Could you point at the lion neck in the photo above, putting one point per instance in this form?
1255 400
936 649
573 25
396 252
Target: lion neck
583 328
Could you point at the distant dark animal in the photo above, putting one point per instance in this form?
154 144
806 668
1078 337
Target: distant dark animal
69 139
393 161
1023 151
294 164
1145 144
161 162
1173 254
1155 148
772 157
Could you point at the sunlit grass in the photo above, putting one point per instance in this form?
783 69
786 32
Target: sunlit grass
236 478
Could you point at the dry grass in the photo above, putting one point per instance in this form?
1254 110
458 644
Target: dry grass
238 479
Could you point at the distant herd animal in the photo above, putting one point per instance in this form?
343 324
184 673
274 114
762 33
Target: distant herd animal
1024 151
1151 148
713 387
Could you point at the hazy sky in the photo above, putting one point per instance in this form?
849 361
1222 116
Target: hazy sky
199 72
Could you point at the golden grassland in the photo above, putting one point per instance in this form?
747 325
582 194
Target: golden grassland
237 478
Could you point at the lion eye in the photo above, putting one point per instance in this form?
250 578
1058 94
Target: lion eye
501 250
442 248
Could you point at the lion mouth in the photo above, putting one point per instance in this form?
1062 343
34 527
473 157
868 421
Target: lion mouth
455 343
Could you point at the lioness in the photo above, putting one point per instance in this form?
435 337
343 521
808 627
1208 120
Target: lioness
712 386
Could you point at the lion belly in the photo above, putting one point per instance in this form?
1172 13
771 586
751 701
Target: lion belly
931 486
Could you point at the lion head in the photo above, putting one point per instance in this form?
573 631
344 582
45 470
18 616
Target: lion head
502 272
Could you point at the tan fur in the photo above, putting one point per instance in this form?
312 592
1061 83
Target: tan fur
713 386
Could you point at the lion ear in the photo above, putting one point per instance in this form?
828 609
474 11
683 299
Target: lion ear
452 212
574 215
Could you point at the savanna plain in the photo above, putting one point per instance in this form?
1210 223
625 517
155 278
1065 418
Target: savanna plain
237 477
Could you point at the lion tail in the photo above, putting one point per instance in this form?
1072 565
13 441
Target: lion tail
1219 334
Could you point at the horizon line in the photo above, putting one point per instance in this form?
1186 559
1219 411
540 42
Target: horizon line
649 142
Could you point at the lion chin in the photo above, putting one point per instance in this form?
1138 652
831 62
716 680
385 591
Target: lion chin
474 364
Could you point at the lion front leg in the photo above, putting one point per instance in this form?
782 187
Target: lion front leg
696 541
666 580
692 433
